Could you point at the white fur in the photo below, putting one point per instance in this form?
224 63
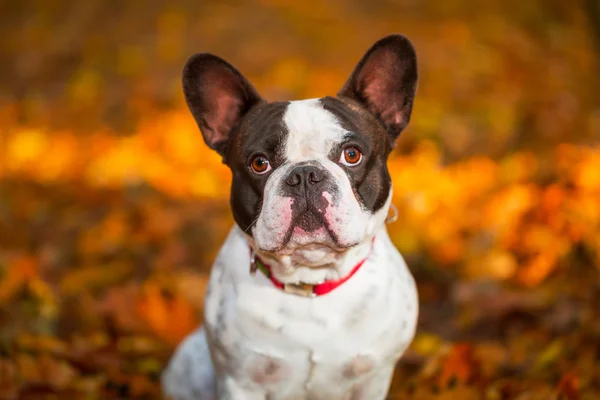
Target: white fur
312 131
267 344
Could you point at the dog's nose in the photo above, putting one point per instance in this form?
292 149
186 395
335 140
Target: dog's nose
308 175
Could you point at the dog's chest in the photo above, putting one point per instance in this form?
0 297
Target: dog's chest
320 346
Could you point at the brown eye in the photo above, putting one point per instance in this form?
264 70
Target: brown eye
260 165
351 156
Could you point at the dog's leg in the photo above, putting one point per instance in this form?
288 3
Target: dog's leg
375 387
229 389
190 374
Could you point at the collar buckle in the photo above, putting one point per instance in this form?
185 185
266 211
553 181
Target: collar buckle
300 289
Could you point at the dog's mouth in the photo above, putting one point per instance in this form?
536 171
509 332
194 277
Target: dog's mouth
290 248
309 234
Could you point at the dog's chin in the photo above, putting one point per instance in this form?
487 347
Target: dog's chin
316 249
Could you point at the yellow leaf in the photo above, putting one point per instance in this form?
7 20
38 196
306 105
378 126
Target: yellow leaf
25 146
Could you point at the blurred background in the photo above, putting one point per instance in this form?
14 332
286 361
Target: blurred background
112 208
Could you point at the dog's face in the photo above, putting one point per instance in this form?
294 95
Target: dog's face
309 175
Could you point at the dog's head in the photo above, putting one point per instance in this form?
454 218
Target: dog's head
308 176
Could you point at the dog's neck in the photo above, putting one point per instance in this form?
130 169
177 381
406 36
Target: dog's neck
315 264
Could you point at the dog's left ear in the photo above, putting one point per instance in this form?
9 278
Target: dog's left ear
385 81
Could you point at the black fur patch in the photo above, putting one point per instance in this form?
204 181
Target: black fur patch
261 132
370 180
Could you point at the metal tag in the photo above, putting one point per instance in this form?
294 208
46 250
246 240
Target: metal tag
253 265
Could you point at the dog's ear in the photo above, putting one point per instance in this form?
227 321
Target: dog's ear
385 81
218 97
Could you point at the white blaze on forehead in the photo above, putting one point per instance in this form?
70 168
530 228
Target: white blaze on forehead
312 131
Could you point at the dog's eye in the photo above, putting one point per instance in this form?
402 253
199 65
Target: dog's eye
351 156
260 165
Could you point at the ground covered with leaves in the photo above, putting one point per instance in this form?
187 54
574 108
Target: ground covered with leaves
112 209
99 284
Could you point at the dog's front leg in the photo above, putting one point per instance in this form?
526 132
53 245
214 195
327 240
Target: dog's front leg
229 389
374 387
190 374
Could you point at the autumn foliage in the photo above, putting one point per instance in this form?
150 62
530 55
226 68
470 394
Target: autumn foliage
112 208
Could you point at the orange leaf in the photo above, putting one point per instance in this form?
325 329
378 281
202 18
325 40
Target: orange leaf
171 317
569 386
537 269
460 365
19 271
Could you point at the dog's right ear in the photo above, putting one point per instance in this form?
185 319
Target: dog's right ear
218 97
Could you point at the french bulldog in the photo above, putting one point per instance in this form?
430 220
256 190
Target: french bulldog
308 297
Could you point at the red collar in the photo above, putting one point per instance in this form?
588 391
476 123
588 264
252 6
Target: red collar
302 289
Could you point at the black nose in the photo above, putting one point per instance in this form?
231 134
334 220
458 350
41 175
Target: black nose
307 175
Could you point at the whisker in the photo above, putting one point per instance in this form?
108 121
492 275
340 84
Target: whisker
252 223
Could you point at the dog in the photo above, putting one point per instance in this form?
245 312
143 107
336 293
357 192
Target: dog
308 297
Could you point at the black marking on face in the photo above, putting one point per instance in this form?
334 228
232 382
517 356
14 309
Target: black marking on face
261 132
370 179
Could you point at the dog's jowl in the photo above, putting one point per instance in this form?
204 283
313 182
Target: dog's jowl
308 298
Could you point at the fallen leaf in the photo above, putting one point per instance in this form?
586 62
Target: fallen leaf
171 317
460 365
569 386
